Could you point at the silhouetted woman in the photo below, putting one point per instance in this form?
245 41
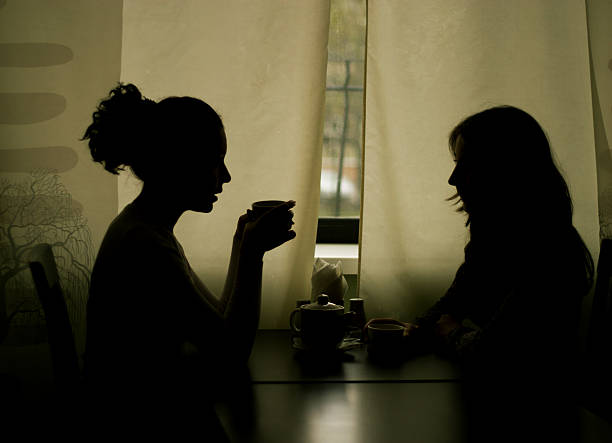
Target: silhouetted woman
147 307
511 315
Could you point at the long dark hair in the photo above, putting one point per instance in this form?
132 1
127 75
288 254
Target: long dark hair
520 190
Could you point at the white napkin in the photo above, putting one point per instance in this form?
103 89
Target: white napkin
328 279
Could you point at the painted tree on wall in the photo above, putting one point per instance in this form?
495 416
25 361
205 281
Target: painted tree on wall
35 210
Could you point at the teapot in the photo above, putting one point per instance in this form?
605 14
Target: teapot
321 325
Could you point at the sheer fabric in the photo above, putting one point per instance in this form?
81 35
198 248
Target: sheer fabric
428 67
262 66
600 42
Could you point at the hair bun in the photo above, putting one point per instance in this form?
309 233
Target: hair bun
119 128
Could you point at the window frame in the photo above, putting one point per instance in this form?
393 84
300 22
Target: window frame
343 230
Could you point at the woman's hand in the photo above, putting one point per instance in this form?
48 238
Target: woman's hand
241 226
268 231
410 328
445 325
242 222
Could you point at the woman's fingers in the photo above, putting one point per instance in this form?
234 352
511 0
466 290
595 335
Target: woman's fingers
282 211
241 225
410 327
273 228
281 216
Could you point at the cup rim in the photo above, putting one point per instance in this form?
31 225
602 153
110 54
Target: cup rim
385 327
267 203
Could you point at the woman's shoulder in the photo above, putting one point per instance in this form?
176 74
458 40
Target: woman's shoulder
130 235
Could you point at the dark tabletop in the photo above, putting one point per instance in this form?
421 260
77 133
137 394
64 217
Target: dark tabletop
273 360
296 397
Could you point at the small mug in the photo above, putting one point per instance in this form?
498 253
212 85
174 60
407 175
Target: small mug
385 335
261 207
385 340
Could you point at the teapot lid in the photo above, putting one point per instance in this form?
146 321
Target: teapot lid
323 304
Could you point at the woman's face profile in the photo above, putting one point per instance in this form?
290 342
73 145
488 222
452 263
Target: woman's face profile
460 177
479 178
205 175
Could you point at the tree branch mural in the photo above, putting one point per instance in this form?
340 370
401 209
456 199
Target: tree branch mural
35 210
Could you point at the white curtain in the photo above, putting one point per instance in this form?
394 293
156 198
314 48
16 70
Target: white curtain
261 65
600 39
430 64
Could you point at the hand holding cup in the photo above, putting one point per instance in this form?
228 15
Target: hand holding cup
269 224
259 208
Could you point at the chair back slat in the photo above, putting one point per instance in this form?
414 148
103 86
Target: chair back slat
61 341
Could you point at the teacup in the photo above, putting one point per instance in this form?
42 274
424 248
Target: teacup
385 334
385 340
263 206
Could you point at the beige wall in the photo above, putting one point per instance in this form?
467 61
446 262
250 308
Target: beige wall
57 59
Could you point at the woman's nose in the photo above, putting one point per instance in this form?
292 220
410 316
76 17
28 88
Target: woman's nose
452 180
226 175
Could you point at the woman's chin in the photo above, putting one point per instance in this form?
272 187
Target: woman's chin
208 207
203 207
204 204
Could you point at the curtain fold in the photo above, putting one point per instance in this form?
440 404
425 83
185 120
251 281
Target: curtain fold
262 66
428 67
599 314
600 46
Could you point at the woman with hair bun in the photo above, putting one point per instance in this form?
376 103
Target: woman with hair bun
146 306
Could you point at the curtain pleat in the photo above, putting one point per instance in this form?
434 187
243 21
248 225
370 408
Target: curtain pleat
428 66
598 315
600 45
262 66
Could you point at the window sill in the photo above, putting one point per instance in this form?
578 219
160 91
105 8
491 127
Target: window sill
348 254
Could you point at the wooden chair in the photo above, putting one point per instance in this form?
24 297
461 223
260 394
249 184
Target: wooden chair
64 359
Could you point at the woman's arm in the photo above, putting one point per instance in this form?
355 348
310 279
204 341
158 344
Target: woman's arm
232 271
254 237
240 304
452 303
244 305
530 320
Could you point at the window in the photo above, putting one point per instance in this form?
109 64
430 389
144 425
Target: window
342 134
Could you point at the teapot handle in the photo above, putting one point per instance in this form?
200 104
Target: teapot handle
292 321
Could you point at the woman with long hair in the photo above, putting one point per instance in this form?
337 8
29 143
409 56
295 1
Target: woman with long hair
511 315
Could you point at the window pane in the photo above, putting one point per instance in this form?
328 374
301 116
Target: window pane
341 171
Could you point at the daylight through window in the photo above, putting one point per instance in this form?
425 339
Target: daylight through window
342 136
